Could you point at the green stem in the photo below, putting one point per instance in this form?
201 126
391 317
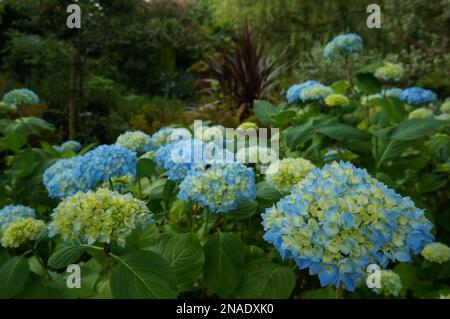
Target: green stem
41 262
140 188
340 292
206 215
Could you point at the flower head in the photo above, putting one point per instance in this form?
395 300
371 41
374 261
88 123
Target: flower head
445 107
21 97
62 178
162 137
21 231
418 96
391 284
390 72
436 253
99 216
392 92
73 146
421 113
308 91
339 219
106 162
220 187
10 213
287 172
336 100
7 107
135 141
343 44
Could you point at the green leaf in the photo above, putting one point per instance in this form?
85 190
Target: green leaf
142 238
263 111
367 83
408 274
224 257
13 276
68 253
267 191
267 280
282 118
415 128
370 68
244 210
392 150
340 87
342 132
393 107
143 274
185 256
145 168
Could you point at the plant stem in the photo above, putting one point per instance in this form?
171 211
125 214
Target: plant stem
340 292
206 222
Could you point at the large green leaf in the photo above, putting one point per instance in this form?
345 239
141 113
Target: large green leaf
267 191
391 150
68 253
340 87
264 110
13 276
409 274
266 280
224 257
367 83
244 210
393 107
185 256
142 275
145 168
343 132
415 128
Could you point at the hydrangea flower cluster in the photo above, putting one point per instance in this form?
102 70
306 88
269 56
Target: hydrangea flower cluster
135 141
106 162
61 179
21 231
336 100
21 97
219 187
390 72
14 233
287 172
308 91
445 107
343 44
68 146
179 158
252 154
391 284
436 253
339 219
10 213
418 96
99 216
247 125
82 173
392 92
162 137
421 113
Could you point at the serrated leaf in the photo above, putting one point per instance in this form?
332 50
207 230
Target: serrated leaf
13 275
415 128
267 191
244 210
68 253
264 110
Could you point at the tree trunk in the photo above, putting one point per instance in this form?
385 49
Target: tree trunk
73 92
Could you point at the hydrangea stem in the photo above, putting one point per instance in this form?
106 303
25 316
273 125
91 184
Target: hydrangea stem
340 292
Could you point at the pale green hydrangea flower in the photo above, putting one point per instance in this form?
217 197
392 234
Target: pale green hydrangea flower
420 113
247 125
445 107
21 231
444 296
149 155
391 284
287 172
135 141
436 253
336 100
99 216
390 72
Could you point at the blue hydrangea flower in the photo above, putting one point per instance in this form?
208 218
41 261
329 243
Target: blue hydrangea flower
339 219
219 187
11 213
308 91
343 44
21 97
62 178
70 145
162 137
178 158
104 163
418 96
136 141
